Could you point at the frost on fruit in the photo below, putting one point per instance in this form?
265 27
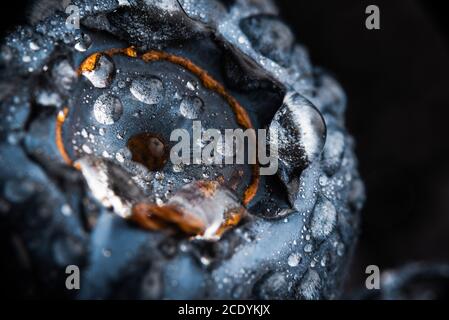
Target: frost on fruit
310 285
323 220
271 37
273 286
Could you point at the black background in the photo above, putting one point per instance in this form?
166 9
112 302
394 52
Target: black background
396 80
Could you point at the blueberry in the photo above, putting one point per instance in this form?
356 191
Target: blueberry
85 175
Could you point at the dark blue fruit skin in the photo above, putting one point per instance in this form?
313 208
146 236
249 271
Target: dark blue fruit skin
53 221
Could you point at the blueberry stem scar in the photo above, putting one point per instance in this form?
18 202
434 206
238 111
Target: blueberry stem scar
242 117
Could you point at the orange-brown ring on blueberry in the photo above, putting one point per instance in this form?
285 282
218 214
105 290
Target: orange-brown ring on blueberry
60 118
210 83
155 217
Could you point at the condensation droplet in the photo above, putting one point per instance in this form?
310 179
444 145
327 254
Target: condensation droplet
301 132
205 260
147 90
101 76
323 180
34 46
66 210
308 248
84 133
121 84
119 157
294 259
324 260
106 253
178 168
107 109
340 249
190 86
191 107
122 3
83 43
86 149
